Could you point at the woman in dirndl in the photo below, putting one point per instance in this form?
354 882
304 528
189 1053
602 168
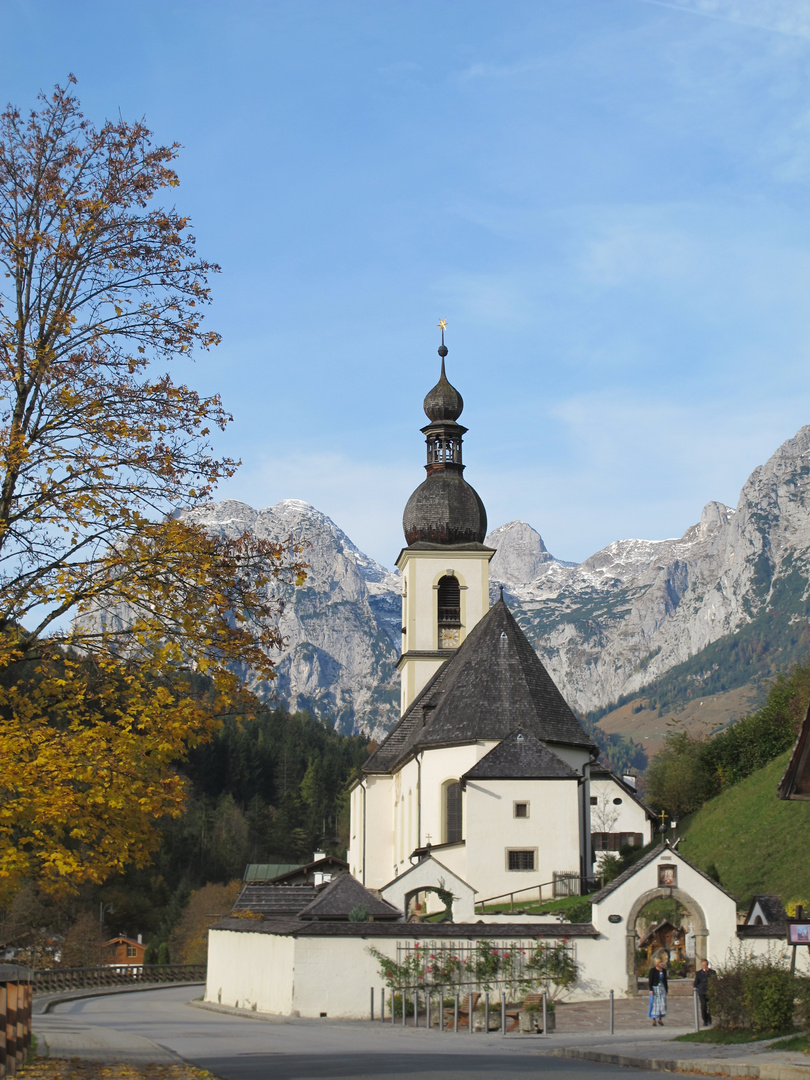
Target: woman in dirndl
658 993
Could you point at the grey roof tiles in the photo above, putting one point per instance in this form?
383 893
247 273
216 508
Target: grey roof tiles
521 757
344 895
493 684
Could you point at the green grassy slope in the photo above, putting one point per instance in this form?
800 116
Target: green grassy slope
758 843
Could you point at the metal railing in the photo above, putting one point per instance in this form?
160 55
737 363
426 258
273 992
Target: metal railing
48 980
480 905
451 1008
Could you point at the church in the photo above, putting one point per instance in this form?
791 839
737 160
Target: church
485 788
487 770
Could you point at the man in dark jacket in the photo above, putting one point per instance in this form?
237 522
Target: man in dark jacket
701 984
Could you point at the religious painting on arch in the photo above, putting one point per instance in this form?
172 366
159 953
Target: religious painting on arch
667 877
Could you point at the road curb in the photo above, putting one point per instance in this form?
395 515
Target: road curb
706 1066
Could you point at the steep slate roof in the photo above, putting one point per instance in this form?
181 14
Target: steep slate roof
520 757
491 685
642 862
274 899
341 896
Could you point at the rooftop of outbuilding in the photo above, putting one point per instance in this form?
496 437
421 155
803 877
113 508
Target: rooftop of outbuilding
416 931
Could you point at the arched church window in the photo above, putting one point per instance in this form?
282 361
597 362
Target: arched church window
453 812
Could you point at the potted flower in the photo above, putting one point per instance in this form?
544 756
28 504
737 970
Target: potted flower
530 1017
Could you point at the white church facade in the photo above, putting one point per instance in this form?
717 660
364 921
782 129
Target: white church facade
487 786
488 769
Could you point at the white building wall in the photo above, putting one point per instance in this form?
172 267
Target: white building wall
250 971
624 816
377 822
551 830
576 757
776 948
334 976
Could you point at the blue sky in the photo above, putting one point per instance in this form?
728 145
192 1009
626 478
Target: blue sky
606 199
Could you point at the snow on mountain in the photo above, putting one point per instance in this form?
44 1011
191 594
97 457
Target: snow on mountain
605 627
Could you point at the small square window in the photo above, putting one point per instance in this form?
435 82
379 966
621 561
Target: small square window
594 800
521 860
521 809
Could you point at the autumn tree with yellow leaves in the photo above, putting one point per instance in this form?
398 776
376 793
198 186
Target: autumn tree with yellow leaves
113 605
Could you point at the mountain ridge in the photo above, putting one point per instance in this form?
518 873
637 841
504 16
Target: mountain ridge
606 628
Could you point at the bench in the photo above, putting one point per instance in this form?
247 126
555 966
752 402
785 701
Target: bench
466 1006
513 1014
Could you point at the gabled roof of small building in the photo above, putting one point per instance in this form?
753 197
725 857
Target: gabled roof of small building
268 871
492 684
520 757
772 909
602 772
662 928
341 897
274 899
328 864
644 861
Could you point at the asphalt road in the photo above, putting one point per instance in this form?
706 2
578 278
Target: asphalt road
156 1025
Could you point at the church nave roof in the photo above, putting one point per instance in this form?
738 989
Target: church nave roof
493 684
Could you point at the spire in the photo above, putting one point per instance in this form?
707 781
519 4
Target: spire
445 509
443 402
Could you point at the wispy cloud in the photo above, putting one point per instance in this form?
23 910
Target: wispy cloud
497 71
789 17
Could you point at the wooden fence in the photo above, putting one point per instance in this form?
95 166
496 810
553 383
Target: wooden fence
49 980
15 1017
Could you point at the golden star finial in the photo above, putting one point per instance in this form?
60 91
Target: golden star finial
442 325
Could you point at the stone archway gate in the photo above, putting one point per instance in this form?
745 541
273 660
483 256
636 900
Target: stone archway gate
661 874
431 874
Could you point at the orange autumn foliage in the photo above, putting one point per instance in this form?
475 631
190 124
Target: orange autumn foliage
111 602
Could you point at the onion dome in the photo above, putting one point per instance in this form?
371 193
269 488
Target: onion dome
443 402
444 509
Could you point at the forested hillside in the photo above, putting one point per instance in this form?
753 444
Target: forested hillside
692 769
722 793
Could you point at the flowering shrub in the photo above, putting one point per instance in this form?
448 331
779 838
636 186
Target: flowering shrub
482 964
554 967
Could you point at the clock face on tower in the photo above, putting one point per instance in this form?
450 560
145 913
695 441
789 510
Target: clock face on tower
449 637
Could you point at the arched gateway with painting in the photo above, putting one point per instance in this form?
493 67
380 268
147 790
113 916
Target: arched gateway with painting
710 913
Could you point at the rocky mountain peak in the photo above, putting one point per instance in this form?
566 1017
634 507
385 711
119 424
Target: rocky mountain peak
604 628
520 553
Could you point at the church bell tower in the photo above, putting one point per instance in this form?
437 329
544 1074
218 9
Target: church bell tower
445 567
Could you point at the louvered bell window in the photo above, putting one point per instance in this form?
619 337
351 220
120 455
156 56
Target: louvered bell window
449 602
